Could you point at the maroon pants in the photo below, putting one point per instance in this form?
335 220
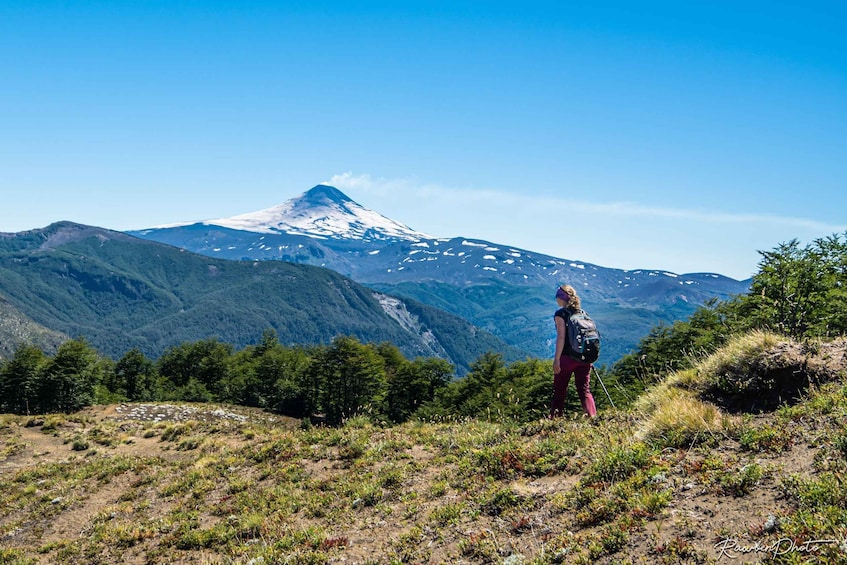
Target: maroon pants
582 375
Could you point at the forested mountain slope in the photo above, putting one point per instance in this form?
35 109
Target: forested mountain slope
120 292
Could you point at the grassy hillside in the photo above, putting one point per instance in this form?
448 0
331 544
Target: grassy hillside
120 292
740 459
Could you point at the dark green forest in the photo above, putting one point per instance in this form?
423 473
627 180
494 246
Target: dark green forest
798 291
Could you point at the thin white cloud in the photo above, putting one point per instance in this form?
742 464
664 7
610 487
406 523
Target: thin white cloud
348 180
381 187
714 217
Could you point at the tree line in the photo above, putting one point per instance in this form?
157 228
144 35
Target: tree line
800 292
337 381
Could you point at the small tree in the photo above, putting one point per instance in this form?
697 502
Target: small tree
19 379
414 384
526 391
133 377
206 362
476 392
353 379
279 380
68 380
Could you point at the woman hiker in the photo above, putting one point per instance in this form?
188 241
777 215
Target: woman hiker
563 364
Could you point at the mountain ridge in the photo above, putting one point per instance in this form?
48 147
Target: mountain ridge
628 303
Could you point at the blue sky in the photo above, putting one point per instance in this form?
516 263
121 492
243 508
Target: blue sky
683 136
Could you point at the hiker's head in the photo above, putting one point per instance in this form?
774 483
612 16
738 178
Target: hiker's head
566 295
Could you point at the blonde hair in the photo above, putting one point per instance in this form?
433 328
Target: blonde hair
574 303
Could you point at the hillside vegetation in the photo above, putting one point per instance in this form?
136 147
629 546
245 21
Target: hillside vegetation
728 445
678 478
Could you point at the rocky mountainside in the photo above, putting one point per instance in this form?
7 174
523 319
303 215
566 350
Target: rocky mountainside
17 329
507 290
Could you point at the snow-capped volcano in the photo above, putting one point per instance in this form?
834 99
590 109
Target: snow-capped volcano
323 212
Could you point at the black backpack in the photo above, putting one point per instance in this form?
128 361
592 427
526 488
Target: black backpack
583 343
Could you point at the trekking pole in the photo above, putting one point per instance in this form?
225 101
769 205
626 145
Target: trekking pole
596 374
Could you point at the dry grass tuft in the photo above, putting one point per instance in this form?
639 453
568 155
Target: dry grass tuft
676 413
680 419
